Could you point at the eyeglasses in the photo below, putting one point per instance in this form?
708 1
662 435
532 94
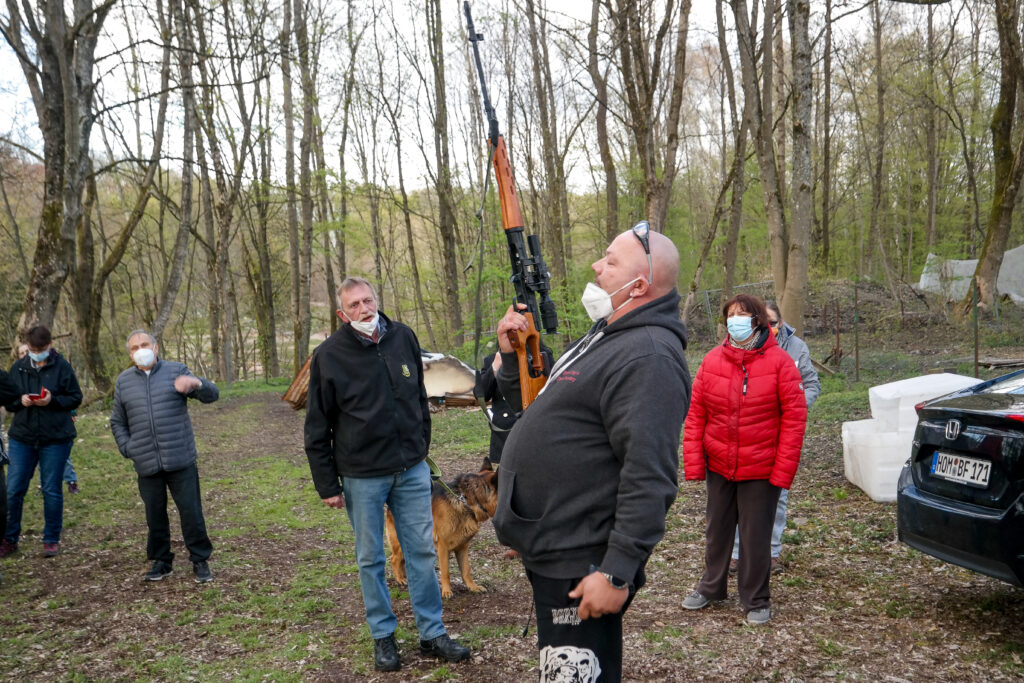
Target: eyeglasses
642 230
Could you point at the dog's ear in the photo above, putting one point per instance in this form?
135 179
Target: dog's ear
487 466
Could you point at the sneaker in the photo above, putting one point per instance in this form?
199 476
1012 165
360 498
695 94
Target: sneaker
696 601
158 571
777 566
8 547
759 616
51 549
444 648
385 654
202 572
734 565
72 487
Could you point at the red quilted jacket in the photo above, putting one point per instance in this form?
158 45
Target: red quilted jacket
747 416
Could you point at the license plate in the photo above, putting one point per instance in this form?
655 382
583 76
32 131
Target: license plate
958 468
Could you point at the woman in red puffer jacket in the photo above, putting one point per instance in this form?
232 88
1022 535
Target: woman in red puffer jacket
743 433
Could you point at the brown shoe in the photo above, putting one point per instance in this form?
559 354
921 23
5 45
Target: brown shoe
777 567
511 554
734 565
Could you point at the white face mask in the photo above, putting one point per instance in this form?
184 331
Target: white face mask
599 302
144 358
367 328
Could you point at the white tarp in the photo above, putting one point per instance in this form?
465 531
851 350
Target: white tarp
952 278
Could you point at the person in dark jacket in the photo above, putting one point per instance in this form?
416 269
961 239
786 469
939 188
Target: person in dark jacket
589 471
797 349
366 437
152 428
42 433
8 392
743 435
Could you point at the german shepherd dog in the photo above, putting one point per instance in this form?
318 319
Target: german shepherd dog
456 522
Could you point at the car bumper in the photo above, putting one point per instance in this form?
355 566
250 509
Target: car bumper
987 541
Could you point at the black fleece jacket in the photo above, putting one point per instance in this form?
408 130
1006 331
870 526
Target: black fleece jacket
52 423
366 411
589 470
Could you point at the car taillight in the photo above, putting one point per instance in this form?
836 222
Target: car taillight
1019 418
917 408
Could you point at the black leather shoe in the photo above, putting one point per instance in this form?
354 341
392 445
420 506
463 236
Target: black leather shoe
385 654
444 648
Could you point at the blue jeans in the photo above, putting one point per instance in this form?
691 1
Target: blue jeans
407 495
24 458
69 471
780 526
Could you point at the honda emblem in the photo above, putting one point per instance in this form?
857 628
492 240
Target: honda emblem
952 429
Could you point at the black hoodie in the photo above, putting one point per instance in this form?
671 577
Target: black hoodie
589 470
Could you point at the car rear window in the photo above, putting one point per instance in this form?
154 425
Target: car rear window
1010 385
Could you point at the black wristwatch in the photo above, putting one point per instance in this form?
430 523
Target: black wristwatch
615 582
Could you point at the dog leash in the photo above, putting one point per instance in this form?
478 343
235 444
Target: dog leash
435 473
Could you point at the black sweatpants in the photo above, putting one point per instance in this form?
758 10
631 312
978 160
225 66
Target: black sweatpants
574 649
184 488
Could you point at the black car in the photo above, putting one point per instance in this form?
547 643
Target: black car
961 494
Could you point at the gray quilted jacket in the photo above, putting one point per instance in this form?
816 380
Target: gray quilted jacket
150 418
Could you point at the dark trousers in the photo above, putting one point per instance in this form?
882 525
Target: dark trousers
574 649
750 505
184 488
3 501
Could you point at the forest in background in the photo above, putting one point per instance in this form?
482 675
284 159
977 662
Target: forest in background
212 170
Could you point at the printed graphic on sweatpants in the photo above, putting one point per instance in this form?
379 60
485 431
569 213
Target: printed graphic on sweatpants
565 616
568 664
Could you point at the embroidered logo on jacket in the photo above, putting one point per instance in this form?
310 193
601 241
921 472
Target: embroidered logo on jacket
568 376
405 371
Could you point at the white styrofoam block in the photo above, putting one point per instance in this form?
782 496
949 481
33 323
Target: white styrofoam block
873 457
893 404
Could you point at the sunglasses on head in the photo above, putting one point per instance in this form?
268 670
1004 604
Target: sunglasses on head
642 230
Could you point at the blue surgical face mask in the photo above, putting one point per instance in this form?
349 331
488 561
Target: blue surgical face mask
740 327
39 357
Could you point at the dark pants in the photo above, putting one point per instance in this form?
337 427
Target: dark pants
184 488
3 501
751 506
574 649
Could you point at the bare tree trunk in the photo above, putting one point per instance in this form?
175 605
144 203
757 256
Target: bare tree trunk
445 195
739 126
303 322
58 69
826 163
932 138
1008 156
794 297
760 118
611 183
294 254
557 205
877 189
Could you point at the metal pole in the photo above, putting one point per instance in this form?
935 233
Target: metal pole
856 336
974 287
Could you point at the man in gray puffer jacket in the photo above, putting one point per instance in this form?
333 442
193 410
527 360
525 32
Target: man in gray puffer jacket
152 428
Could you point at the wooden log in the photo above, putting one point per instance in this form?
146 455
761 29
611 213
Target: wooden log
296 394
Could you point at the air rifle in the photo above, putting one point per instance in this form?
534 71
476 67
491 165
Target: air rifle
530 277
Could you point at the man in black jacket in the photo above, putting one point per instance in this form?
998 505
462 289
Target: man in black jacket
366 437
589 471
